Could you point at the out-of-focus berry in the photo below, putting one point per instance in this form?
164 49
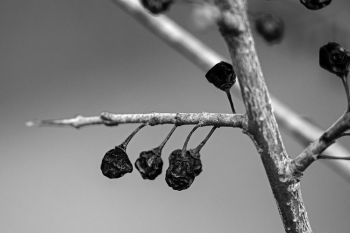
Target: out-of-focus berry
156 6
315 4
270 27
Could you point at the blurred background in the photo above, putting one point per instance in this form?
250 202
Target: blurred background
68 57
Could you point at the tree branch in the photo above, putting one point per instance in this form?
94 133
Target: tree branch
111 119
205 58
311 152
262 125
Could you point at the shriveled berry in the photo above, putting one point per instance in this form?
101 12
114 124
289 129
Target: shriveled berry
182 170
334 58
149 164
270 27
156 6
315 4
222 76
197 165
116 163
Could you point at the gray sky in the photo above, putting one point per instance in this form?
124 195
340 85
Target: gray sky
68 57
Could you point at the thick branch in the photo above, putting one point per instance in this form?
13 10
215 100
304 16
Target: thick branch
311 152
205 58
262 125
111 119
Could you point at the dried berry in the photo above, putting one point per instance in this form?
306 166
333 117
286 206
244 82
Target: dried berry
156 6
116 163
315 4
195 153
150 163
185 165
270 27
223 77
334 58
181 171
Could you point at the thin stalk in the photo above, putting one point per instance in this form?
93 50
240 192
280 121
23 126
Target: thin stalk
188 138
344 80
332 157
200 146
127 140
160 147
228 93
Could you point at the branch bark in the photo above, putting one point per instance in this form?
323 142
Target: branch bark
262 125
311 152
111 119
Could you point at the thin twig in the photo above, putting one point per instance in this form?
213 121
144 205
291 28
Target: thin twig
310 153
111 119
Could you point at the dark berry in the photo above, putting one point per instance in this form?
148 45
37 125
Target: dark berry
116 163
182 170
222 76
156 6
334 58
150 164
315 4
270 27
197 165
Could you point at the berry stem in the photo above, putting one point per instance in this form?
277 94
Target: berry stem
160 147
127 140
344 80
200 146
184 148
228 93
332 157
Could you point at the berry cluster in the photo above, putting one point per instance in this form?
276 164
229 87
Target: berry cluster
184 165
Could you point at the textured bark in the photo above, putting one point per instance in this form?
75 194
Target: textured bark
111 119
262 125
